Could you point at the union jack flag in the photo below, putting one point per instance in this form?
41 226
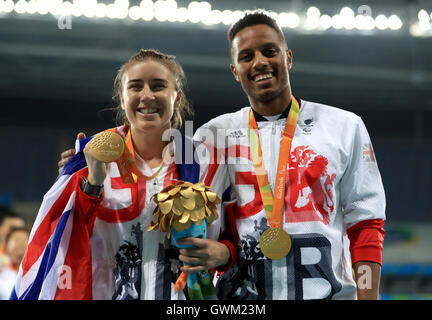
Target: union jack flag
368 153
50 252
52 257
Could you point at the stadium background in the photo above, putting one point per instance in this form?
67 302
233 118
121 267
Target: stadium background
58 60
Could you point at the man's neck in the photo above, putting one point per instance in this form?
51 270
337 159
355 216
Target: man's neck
283 115
273 107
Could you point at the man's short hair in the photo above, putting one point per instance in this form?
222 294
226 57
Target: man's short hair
7 214
252 18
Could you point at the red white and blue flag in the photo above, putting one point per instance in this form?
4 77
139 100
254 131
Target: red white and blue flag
59 244
51 257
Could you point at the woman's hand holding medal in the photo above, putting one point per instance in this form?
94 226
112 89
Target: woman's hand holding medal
105 147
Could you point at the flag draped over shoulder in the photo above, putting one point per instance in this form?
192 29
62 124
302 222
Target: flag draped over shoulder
49 246
58 262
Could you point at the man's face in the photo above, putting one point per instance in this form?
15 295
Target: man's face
8 224
261 61
16 246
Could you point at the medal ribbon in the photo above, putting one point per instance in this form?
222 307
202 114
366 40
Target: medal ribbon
127 165
273 206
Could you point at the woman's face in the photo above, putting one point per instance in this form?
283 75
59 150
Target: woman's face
149 96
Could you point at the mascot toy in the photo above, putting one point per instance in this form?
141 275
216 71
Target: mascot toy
186 210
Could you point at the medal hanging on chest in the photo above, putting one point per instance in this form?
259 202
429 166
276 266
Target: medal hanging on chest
109 146
275 242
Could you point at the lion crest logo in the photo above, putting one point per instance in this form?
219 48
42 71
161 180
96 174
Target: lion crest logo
309 189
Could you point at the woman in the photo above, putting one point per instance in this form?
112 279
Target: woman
105 250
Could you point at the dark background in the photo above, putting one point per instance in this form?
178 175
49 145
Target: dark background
54 83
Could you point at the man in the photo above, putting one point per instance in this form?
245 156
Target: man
14 237
293 243
8 220
16 244
328 186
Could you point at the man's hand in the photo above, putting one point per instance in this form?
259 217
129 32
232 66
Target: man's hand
208 254
66 155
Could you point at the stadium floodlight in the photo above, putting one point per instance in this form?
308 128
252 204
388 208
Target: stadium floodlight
394 22
206 10
55 7
415 30
8 6
201 11
101 10
313 13
348 18
237 15
194 12
311 24
348 22
337 22
89 8
288 20
214 17
381 22
111 11
77 7
273 14
43 6
424 25
32 7
135 13
147 10
20 7
171 7
121 8
182 14
282 19
423 15
67 8
121 3
165 10
123 13
424 21
363 22
227 17
159 11
205 7
293 20
347 12
146 5
325 22
312 18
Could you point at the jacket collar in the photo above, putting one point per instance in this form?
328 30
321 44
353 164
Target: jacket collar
284 115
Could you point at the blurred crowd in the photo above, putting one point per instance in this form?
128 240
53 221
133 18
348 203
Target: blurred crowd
14 237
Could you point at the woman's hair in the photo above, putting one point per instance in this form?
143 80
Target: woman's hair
180 84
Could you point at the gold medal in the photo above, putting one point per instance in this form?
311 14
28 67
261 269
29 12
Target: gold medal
275 243
107 146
